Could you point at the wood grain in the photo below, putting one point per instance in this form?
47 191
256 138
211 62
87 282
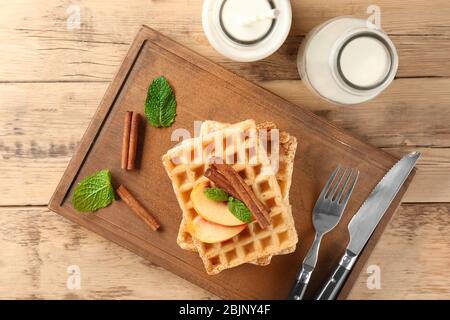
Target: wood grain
37 139
41 123
103 18
37 246
402 115
229 99
37 31
413 256
72 60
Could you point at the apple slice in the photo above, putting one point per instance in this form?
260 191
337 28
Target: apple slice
210 210
210 232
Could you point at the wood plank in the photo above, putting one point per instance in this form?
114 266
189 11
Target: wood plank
412 255
105 19
73 60
34 33
37 140
37 246
411 112
418 17
433 174
41 125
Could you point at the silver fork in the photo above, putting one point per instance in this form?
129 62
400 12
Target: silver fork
326 215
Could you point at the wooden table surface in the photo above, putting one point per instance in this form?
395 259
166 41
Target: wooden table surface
52 79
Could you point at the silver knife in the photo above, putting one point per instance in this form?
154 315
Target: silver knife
366 220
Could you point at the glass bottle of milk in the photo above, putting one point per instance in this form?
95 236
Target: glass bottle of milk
246 30
347 60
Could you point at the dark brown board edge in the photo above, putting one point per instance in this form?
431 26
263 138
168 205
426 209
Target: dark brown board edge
89 137
114 90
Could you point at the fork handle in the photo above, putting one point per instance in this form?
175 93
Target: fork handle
299 288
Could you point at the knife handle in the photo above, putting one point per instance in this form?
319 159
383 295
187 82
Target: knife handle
299 288
332 287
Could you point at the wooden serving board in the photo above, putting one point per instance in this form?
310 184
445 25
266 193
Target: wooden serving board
205 90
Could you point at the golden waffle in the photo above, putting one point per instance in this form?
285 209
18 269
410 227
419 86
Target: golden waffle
287 149
184 238
252 243
288 146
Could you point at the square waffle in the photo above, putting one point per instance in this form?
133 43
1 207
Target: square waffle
287 149
253 242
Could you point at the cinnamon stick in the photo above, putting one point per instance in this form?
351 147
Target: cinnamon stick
126 139
137 208
220 181
225 177
246 194
134 132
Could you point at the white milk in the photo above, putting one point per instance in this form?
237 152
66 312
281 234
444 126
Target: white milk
235 11
347 60
365 61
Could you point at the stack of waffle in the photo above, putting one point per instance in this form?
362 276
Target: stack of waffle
254 244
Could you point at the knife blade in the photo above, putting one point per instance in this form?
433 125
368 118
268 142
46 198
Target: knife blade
366 220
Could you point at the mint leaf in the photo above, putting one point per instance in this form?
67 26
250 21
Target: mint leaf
160 106
93 192
239 210
216 194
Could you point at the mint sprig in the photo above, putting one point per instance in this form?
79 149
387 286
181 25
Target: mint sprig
216 194
93 192
160 105
239 210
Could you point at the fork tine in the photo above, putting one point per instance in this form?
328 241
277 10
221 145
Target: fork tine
344 185
346 197
337 185
329 182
